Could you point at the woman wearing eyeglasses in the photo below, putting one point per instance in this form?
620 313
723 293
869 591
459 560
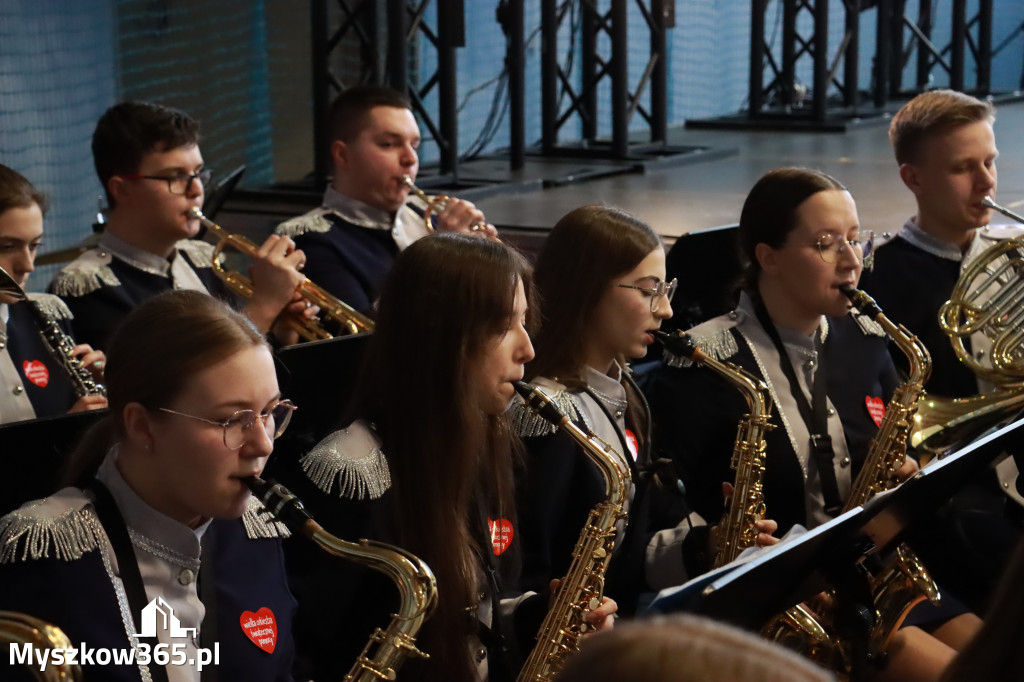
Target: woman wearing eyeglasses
828 370
800 234
601 279
160 548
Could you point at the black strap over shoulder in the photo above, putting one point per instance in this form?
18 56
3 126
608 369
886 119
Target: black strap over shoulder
127 563
814 415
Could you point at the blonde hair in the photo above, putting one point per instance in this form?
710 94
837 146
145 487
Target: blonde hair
685 648
933 113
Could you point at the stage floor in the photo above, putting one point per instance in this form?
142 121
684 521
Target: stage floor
683 198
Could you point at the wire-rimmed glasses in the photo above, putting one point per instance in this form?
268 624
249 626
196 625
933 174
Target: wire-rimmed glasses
238 426
660 290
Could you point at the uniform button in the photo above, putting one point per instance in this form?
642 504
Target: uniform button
2 345
18 390
481 596
831 411
103 254
733 315
980 355
186 576
618 414
1006 484
810 364
481 654
844 462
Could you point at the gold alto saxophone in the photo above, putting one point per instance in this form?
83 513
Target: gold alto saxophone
32 635
736 531
387 649
904 582
797 628
582 588
60 345
331 307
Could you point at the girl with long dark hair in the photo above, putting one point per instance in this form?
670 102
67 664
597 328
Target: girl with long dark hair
601 280
428 462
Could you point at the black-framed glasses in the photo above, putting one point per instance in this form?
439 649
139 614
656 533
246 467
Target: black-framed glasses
831 246
660 290
238 426
179 183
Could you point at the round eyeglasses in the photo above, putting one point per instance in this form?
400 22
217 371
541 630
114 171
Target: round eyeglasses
179 183
660 290
831 246
238 426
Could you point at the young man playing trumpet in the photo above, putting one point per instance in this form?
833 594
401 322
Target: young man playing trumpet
148 160
352 239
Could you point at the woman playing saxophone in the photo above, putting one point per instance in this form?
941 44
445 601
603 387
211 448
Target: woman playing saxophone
426 463
601 277
828 371
157 516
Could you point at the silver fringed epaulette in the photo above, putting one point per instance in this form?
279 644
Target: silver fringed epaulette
26 534
200 253
720 345
867 325
314 221
360 478
526 423
86 274
260 523
52 306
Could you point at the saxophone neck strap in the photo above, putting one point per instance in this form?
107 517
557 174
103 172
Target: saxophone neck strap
814 414
127 564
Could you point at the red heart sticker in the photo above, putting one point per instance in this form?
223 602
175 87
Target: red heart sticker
876 408
260 628
501 534
36 372
632 444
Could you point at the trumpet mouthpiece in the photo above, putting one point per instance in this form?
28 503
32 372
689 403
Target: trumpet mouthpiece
194 212
987 201
407 181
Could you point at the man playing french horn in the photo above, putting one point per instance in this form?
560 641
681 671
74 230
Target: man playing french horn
352 239
944 143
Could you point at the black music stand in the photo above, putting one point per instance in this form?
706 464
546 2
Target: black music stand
830 554
34 453
319 378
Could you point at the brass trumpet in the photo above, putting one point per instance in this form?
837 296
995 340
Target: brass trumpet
436 204
350 319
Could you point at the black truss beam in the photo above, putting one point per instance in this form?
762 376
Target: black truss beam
563 100
358 31
970 35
